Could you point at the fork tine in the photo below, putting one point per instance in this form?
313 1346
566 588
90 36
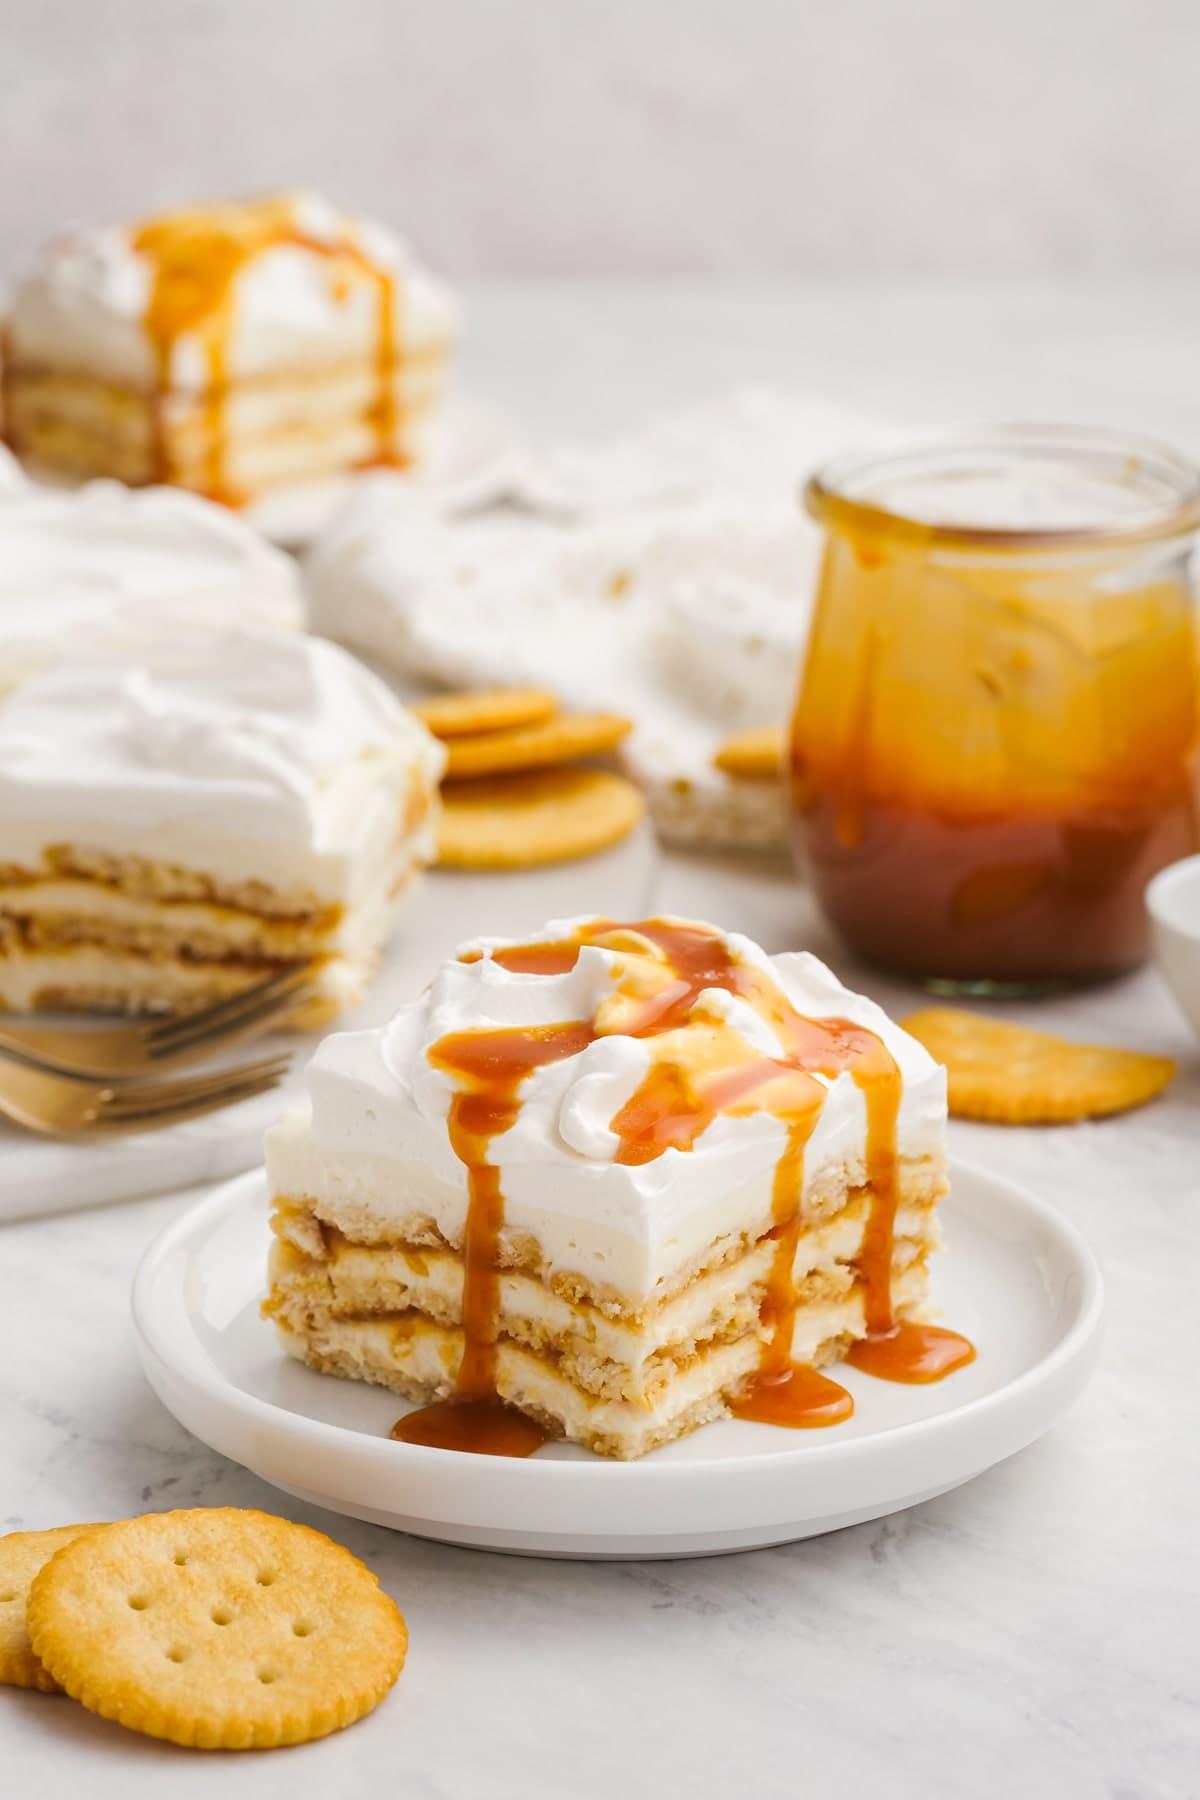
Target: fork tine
251 1024
147 1097
212 1017
211 1020
164 1116
239 1027
205 1102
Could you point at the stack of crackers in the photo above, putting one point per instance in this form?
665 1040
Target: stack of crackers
217 1628
517 792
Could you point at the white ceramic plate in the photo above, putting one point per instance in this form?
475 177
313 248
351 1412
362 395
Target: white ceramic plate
470 463
40 1176
1173 902
1015 1276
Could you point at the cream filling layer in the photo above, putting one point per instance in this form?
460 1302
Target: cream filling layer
125 982
74 905
357 1278
247 464
360 806
424 1363
311 402
368 1196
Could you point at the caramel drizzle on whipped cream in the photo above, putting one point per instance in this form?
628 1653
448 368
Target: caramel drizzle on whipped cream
195 259
695 1076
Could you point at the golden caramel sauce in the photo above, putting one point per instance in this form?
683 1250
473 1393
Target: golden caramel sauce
494 1063
799 1398
195 261
386 362
784 1392
912 1353
532 959
699 1070
481 1427
489 1067
990 759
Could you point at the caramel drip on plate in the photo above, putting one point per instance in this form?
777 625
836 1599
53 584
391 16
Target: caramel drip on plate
700 1069
195 260
480 1427
911 1353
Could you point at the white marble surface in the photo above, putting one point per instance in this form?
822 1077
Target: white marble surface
1032 1634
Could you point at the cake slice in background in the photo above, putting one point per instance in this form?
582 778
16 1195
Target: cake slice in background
228 349
176 827
100 571
624 1179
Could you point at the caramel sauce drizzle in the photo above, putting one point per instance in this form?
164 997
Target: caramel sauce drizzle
195 260
695 1076
489 1067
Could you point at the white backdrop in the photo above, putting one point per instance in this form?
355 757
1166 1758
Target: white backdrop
727 138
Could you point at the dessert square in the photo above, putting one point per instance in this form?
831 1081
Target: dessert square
619 1181
227 349
178 827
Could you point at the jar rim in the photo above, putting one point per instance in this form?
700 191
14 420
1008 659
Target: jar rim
838 494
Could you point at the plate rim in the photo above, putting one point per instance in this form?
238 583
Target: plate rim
516 1474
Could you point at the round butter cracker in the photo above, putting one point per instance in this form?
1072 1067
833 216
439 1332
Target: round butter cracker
217 1628
22 1555
484 709
753 755
564 739
1012 1075
524 821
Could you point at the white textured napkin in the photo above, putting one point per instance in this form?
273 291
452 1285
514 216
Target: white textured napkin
667 573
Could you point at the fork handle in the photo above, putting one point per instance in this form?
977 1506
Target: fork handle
47 1103
44 1046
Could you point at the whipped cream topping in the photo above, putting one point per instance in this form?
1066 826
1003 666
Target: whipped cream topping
285 748
83 301
103 570
381 1094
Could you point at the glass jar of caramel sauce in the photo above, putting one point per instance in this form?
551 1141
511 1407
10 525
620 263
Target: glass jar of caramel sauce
993 740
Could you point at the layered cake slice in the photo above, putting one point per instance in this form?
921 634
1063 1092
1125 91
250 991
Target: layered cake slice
176 828
616 1182
227 349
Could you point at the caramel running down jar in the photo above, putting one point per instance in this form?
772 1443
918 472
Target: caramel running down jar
992 746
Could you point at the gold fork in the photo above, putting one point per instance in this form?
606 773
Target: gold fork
116 1051
58 1106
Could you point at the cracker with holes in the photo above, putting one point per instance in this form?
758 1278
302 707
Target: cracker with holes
22 1554
217 1628
1015 1076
